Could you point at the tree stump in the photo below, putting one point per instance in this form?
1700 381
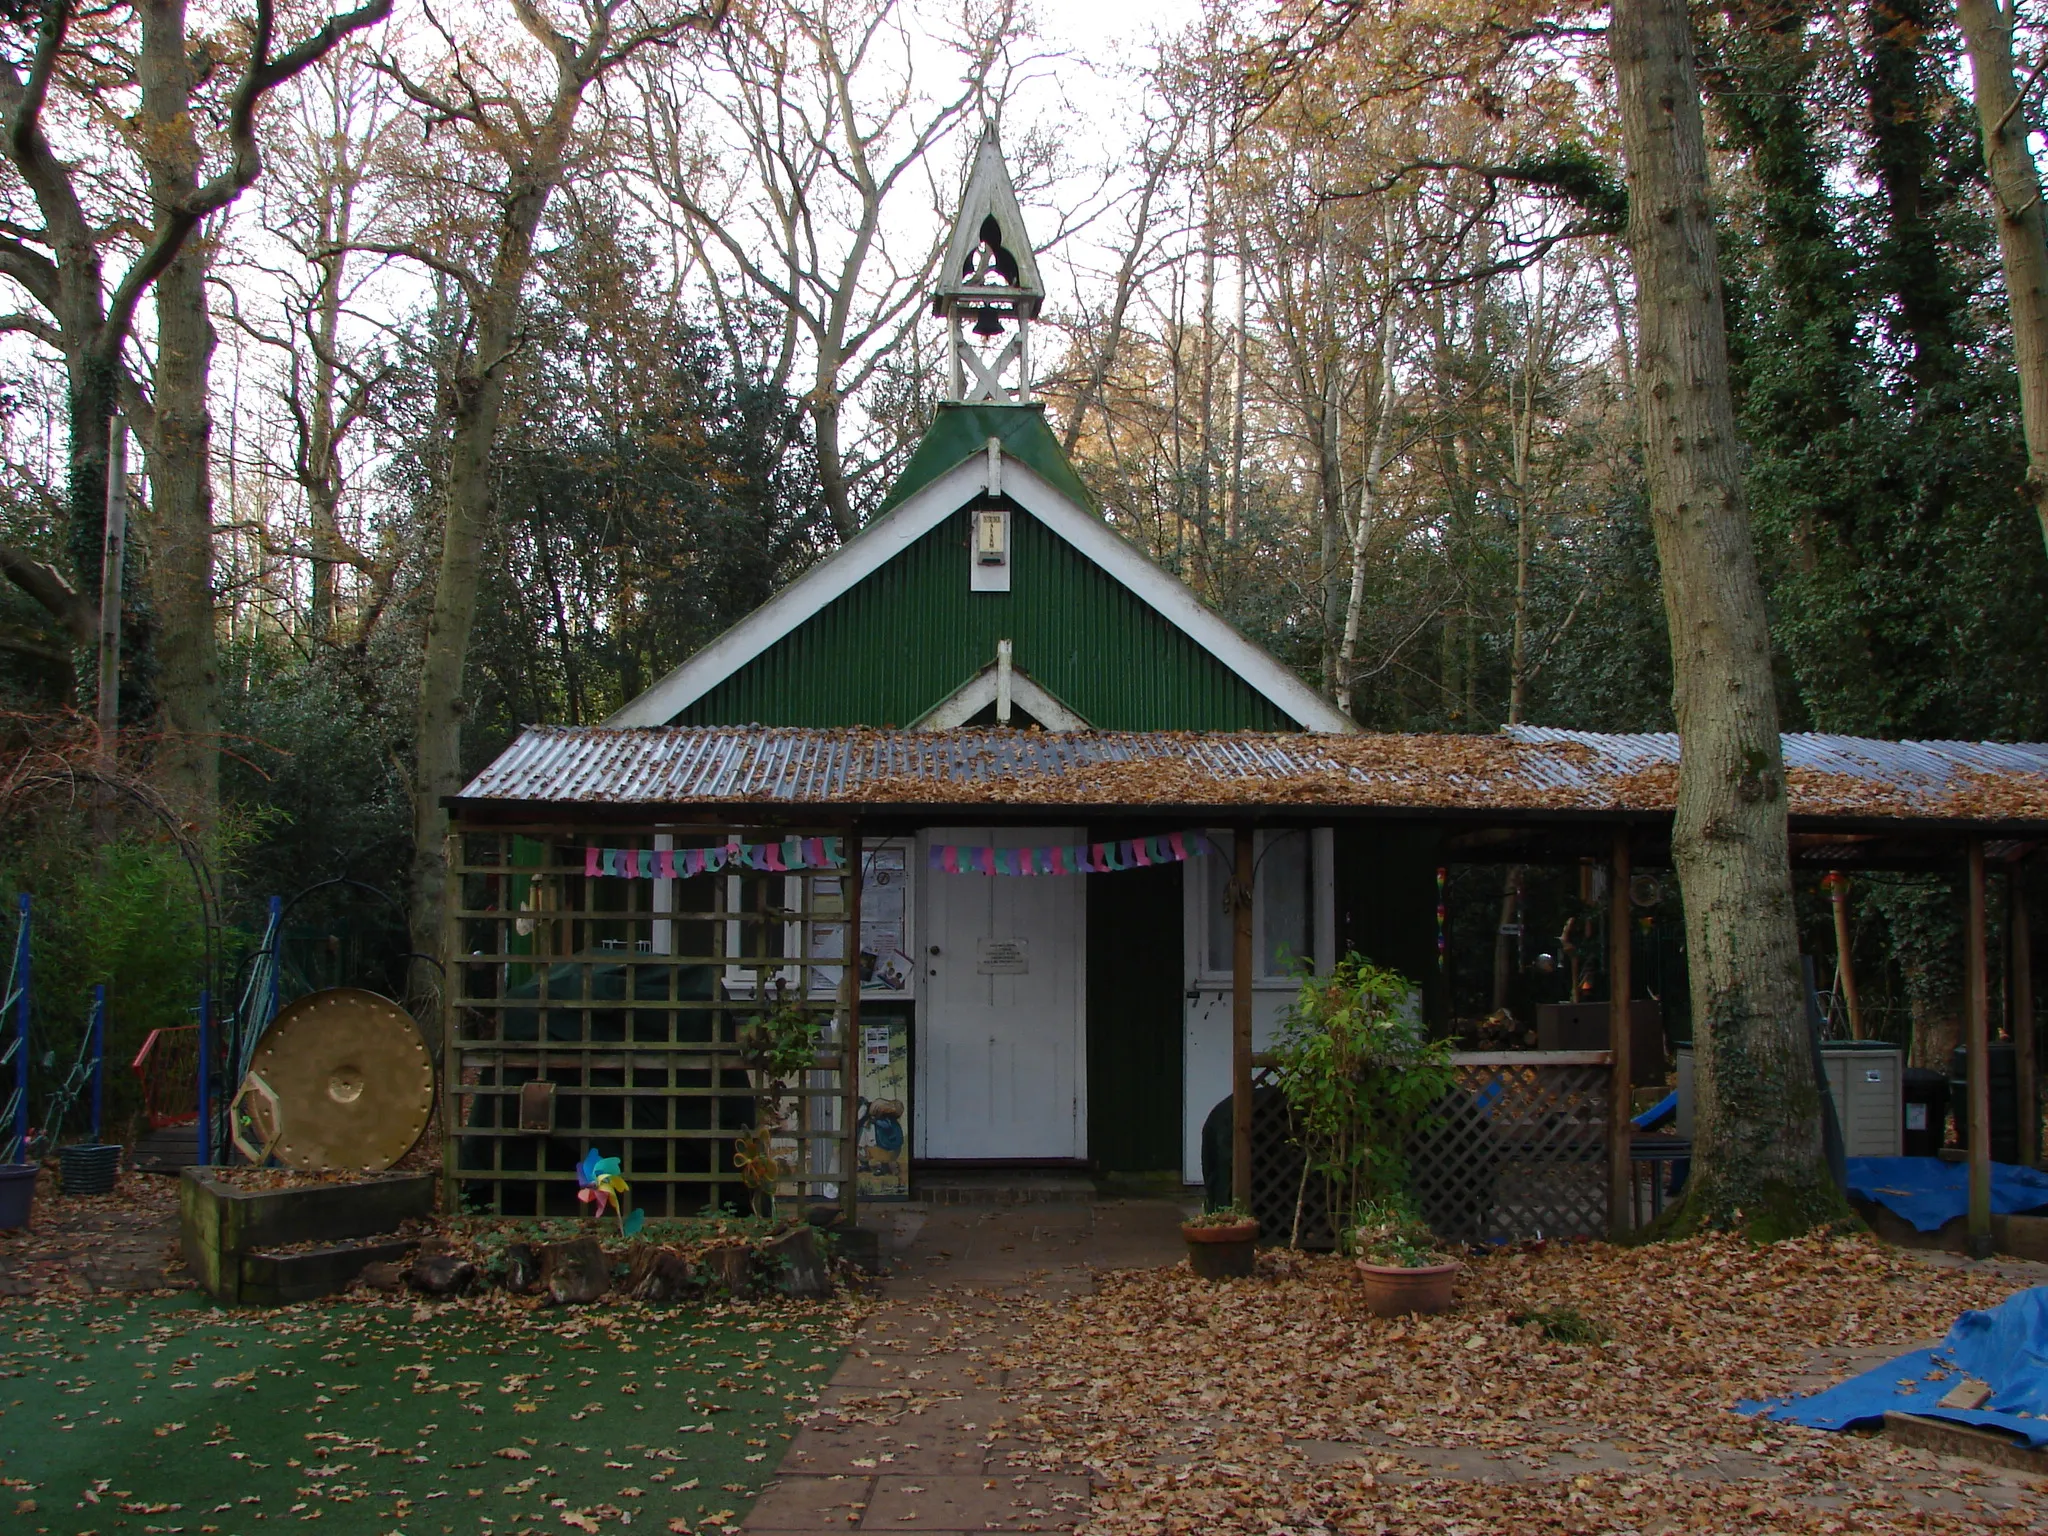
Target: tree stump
386 1276
522 1268
574 1272
729 1267
796 1263
442 1274
660 1277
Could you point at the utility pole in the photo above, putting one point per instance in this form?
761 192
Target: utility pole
110 629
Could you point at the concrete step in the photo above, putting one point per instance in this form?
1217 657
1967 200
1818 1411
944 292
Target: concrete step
1000 1186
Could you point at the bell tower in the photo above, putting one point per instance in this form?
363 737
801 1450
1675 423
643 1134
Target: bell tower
989 291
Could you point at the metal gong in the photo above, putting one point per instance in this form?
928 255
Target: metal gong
350 1079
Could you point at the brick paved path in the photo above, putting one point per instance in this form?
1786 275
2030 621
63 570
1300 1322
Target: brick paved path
912 1432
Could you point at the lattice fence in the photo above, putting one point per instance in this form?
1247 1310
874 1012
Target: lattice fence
1519 1150
606 1011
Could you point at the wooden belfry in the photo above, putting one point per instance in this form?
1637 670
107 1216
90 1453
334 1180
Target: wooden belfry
989 290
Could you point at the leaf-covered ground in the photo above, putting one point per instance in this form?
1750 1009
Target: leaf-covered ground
166 1414
1278 1404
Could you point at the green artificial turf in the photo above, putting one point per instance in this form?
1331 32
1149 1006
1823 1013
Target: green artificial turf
166 1415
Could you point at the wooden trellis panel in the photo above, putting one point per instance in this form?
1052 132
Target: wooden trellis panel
1519 1150
1276 1172
628 996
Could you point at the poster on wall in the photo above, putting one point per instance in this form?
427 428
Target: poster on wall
885 965
882 1134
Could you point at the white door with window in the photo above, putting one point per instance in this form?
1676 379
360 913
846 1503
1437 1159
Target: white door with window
1001 1072
1294 922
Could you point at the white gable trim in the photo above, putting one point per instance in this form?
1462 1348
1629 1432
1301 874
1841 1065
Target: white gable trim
897 530
979 691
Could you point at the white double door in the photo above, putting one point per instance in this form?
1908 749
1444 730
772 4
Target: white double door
1001 1070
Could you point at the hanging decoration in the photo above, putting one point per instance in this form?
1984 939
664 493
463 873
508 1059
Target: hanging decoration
792 853
1443 919
1070 858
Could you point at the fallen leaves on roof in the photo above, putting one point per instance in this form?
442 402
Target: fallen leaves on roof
990 766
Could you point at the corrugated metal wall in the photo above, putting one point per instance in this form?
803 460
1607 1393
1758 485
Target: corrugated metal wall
1135 964
903 640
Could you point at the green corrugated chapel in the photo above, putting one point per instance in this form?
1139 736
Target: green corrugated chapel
990 591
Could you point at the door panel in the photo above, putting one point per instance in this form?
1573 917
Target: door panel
1280 926
1000 1066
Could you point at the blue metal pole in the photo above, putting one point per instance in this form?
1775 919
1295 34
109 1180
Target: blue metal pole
205 1084
276 957
99 1058
21 973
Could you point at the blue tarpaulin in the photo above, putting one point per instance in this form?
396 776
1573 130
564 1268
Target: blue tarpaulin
1929 1192
2006 1348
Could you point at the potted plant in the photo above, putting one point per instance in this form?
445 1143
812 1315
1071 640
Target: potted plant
1361 1076
1220 1242
1404 1269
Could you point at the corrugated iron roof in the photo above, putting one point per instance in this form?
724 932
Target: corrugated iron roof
1525 768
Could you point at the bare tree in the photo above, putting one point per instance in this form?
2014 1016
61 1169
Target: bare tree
829 137
2004 121
1758 1159
493 141
325 195
56 247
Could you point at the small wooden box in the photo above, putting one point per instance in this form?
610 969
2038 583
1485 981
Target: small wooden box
1585 1026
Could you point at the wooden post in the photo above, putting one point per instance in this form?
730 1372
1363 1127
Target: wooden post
1978 1027
2026 1062
1845 960
849 1076
1241 1020
1621 984
112 558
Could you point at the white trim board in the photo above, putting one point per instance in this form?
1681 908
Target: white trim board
887 537
979 691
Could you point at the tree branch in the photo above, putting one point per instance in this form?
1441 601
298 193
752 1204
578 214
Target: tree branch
52 593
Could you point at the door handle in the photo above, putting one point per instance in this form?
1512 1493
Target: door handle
1193 994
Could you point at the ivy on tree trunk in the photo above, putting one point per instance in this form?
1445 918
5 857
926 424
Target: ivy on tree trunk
1757 1162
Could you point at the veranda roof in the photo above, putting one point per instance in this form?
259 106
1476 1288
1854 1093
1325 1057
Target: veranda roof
1832 779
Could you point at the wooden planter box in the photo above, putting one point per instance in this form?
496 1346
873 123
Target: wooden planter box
229 1233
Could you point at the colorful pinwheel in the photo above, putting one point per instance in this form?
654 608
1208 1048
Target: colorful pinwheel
602 1184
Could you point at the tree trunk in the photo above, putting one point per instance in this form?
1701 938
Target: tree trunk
1758 1161
181 535
2022 235
534 170
824 410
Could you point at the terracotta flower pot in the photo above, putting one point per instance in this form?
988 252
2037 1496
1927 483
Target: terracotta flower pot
1221 1253
1392 1290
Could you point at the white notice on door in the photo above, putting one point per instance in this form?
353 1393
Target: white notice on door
1003 957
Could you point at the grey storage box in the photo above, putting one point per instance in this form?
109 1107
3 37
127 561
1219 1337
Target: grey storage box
1865 1078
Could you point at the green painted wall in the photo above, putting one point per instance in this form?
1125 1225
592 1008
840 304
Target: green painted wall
1134 1016
904 639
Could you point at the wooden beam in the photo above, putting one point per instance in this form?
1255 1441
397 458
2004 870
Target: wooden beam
2026 1059
849 1072
1241 1020
1845 959
1620 985
1977 1024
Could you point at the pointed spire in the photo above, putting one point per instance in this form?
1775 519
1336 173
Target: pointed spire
989 281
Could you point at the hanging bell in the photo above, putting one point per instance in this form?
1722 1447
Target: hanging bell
988 324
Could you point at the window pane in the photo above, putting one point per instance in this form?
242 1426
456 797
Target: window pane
1216 869
1285 904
